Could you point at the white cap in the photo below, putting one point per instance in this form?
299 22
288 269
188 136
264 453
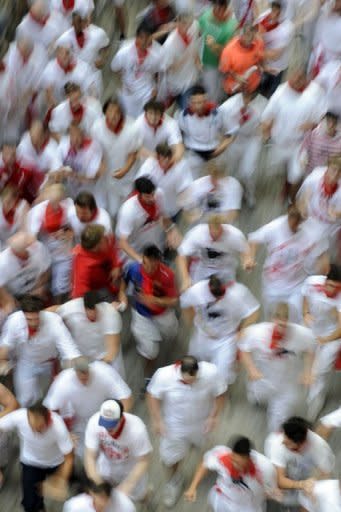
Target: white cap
109 414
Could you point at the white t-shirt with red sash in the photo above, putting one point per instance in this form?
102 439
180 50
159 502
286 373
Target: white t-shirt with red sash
85 115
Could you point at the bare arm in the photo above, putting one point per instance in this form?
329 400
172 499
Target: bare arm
191 493
154 408
188 316
286 483
126 247
250 367
182 266
120 173
7 400
178 152
135 474
90 458
113 344
224 144
251 319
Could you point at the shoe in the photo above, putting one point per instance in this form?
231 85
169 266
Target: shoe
172 491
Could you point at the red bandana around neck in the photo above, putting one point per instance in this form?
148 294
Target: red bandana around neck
245 115
84 145
32 331
68 4
20 256
67 69
323 289
93 216
80 37
77 113
267 24
185 38
299 90
40 21
208 108
53 219
120 428
161 15
276 337
226 461
142 54
329 189
118 128
151 209
2 66
9 215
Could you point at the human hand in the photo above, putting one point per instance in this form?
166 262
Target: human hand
210 424
255 374
56 488
308 486
173 238
190 494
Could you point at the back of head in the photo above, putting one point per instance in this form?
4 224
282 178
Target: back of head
152 252
91 236
242 446
154 105
144 28
86 200
92 298
39 409
31 304
296 429
334 273
216 286
189 365
164 150
144 185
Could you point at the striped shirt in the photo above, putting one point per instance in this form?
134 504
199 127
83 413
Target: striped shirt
320 146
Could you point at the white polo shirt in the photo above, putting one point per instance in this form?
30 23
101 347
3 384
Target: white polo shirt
102 217
117 457
44 450
280 366
46 34
290 256
134 223
138 79
215 256
230 112
84 503
185 407
89 336
61 115
52 339
289 110
201 133
324 310
219 318
172 182
250 496
328 35
71 398
168 131
21 276
174 52
44 161
95 39
226 195
279 38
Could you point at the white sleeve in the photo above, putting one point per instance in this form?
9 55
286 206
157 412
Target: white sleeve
156 386
333 419
219 385
44 257
111 322
271 108
141 444
234 195
119 61
190 243
64 342
275 451
169 53
248 341
10 421
175 136
125 221
248 303
63 437
211 461
306 341
58 123
116 386
92 441
262 235
56 399
190 297
13 324
325 457
6 273
35 218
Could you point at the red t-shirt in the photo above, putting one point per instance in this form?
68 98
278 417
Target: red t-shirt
27 181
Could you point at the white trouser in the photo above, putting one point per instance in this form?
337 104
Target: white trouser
30 379
111 193
292 297
289 157
174 446
280 402
212 82
219 351
325 357
61 276
149 332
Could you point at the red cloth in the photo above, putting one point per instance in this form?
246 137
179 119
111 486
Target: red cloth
67 69
142 54
276 337
92 270
32 331
186 39
244 115
53 219
120 428
41 21
322 288
116 129
26 180
329 189
77 113
151 209
208 108
226 461
337 364
297 89
159 284
80 39
68 4
267 24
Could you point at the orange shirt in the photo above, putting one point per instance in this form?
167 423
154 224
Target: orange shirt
239 60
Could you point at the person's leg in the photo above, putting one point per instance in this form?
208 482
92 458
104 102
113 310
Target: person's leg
224 357
172 452
120 17
31 478
250 152
280 408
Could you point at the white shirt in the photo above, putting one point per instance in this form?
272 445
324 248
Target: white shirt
219 318
47 34
333 419
71 398
279 367
230 112
95 39
239 497
215 256
117 457
174 52
185 407
316 454
150 137
46 160
84 7
324 310
8 229
21 276
51 339
201 133
102 217
137 78
227 195
328 35
173 182
290 256
119 502
44 450
329 79
279 39
326 497
133 223
89 336
289 110
61 115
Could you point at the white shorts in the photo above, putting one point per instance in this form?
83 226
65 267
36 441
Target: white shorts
61 277
149 332
288 156
174 448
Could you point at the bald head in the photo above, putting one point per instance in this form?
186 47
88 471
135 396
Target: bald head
20 242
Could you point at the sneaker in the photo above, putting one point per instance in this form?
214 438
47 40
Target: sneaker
172 491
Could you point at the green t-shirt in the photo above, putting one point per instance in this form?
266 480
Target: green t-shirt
222 32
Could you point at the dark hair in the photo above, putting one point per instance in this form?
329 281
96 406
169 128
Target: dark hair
92 298
40 410
296 429
216 286
332 115
91 236
221 3
144 185
334 273
31 304
70 87
242 446
293 211
152 252
103 488
112 101
86 200
157 106
164 150
197 89
120 405
144 28
190 365
276 4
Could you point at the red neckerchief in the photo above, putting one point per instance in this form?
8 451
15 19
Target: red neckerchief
328 190
42 147
120 428
185 38
94 215
10 214
68 4
276 337
297 89
53 218
142 54
32 331
78 113
246 14
323 289
24 58
118 128
226 461
208 108
40 21
267 24
154 127
70 67
152 209
20 256
80 37
2 66
245 115
161 15
84 144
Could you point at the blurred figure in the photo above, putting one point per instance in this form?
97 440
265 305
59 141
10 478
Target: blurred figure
68 7
13 211
185 400
84 212
329 80
326 496
328 423
8 403
159 15
100 498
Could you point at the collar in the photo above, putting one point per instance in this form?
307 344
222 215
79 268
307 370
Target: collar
185 38
80 38
226 461
299 90
70 67
40 21
118 128
142 54
68 4
323 289
120 428
94 215
84 144
267 24
276 337
224 289
78 113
